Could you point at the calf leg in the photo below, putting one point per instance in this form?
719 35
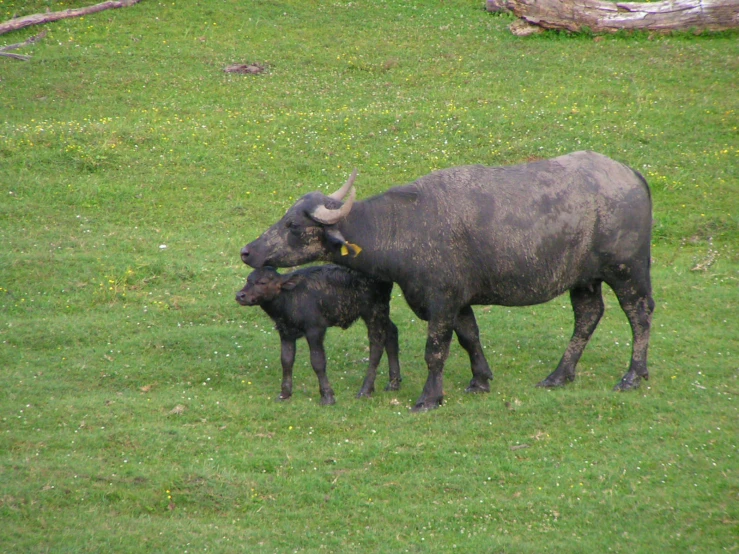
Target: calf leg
318 361
377 335
393 356
468 335
437 350
383 335
638 306
587 303
287 358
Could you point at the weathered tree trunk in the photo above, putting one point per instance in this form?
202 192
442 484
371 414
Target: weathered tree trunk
600 16
40 18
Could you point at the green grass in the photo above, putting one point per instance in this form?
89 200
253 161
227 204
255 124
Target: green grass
123 135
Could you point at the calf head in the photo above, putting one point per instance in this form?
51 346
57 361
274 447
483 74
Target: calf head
264 285
306 233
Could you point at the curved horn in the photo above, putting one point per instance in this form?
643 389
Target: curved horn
341 193
324 215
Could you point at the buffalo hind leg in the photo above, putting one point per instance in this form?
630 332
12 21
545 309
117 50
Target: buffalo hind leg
318 361
587 304
468 335
437 350
638 307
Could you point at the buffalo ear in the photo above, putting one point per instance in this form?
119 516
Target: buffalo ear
335 238
290 282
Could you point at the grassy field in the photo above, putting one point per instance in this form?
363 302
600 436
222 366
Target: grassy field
137 407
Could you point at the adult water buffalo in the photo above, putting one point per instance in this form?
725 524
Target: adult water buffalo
511 236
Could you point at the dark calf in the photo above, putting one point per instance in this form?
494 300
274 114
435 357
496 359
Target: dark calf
307 302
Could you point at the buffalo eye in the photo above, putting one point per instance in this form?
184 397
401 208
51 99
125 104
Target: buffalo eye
294 228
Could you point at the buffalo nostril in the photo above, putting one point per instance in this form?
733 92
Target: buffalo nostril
245 254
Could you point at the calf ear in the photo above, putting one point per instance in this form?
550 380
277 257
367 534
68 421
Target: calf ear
289 282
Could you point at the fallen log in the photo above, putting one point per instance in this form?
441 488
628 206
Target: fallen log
608 17
41 18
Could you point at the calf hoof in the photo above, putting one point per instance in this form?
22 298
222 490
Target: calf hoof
393 385
478 385
426 405
328 400
630 381
554 381
365 393
283 396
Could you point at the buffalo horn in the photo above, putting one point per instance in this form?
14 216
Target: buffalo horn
341 193
324 215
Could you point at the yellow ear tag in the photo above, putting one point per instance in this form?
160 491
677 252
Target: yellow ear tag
355 248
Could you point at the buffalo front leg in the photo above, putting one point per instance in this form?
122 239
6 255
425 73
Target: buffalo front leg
318 361
437 351
393 356
638 309
468 335
587 304
287 358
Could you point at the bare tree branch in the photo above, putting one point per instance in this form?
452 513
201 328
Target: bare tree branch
31 40
26 42
20 57
41 18
600 16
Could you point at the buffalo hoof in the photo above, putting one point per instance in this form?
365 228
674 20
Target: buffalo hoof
426 405
478 386
283 396
393 385
328 400
365 393
554 381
